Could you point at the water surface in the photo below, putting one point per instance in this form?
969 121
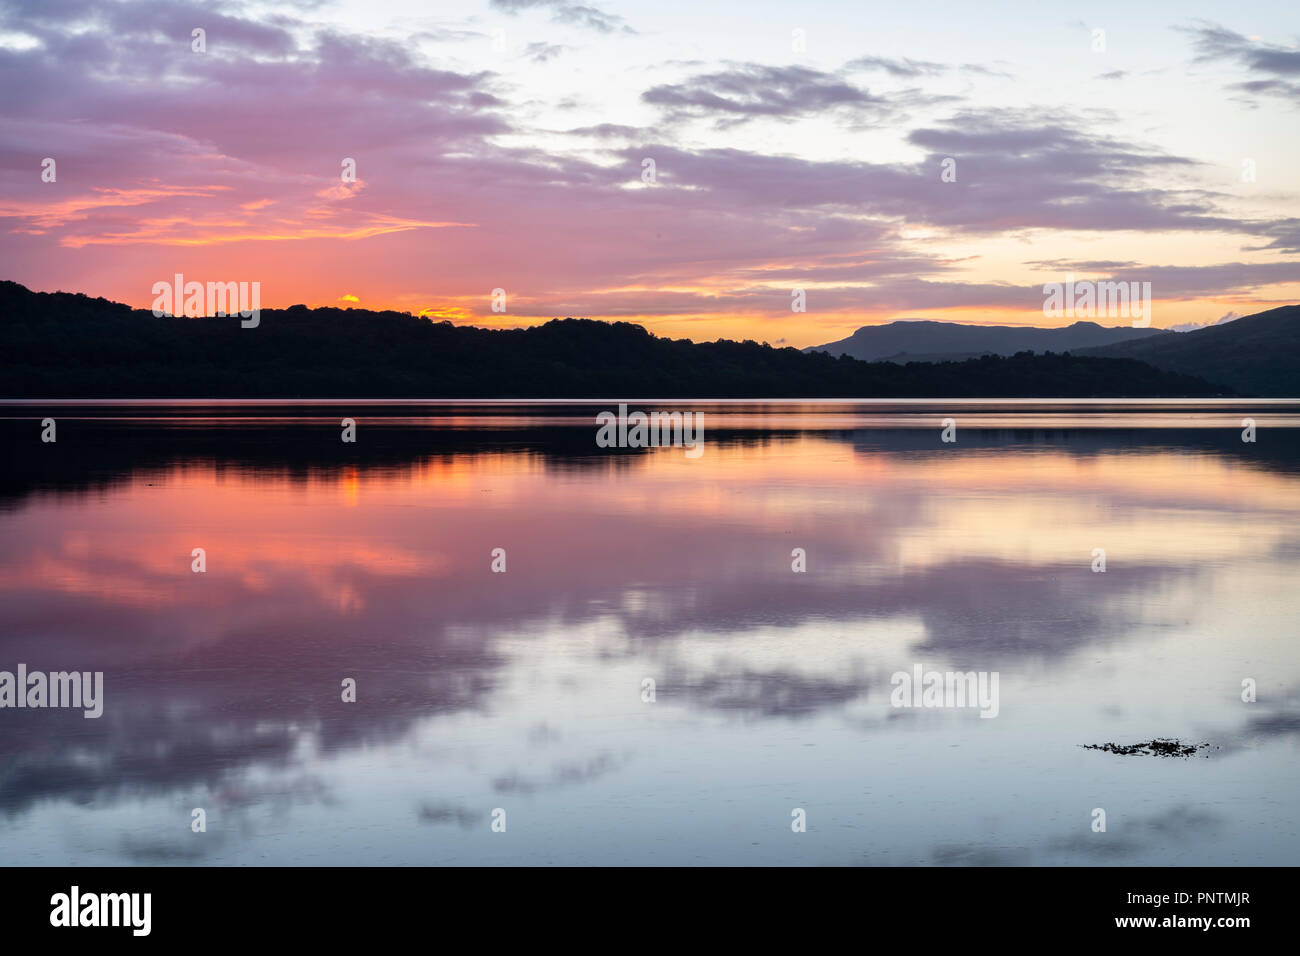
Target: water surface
524 690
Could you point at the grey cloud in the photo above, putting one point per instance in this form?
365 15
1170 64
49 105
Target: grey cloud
1279 66
751 91
576 14
609 131
903 68
1016 169
1284 233
1195 281
907 68
985 71
541 52
160 21
1081 265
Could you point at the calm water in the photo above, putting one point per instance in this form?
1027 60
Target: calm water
523 691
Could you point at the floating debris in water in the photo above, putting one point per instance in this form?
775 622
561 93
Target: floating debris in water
1160 747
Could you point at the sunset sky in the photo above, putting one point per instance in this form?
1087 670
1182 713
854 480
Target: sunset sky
501 144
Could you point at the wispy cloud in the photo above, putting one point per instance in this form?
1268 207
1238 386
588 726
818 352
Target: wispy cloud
1271 69
561 11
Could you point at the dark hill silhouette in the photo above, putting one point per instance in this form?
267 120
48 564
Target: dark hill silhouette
928 341
69 345
1256 355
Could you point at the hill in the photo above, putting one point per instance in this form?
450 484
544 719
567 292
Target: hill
927 341
1255 355
61 345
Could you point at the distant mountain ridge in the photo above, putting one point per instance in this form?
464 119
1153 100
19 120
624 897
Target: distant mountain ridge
923 340
1257 355
62 345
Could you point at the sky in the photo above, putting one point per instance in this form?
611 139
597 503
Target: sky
799 151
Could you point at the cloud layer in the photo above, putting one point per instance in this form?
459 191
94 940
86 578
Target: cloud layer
228 162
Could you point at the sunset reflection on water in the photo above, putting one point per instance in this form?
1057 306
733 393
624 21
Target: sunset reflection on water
523 690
